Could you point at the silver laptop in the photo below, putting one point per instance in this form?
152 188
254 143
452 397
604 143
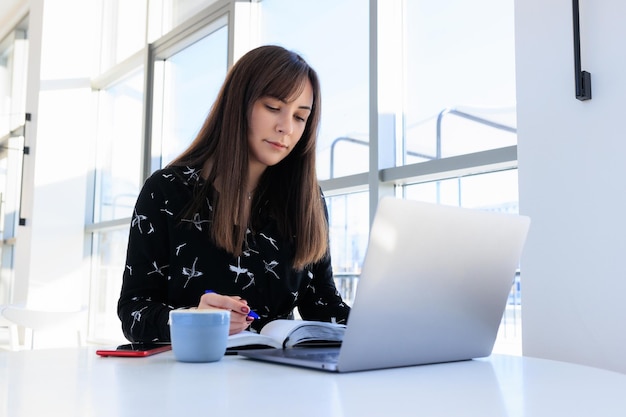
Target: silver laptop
433 288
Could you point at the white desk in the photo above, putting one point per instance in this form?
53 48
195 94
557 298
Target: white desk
76 382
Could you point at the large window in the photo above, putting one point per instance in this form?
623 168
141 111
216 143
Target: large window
421 93
339 54
117 182
459 89
341 59
123 30
164 16
494 191
107 266
119 148
185 86
146 115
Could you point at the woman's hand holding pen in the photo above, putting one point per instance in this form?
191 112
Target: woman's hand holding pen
240 314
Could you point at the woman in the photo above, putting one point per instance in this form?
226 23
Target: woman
237 221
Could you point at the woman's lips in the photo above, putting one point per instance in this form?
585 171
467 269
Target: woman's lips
277 145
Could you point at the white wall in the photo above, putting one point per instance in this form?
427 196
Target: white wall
572 174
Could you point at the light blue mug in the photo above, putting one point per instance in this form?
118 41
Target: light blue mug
199 335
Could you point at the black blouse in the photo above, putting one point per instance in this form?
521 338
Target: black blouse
171 261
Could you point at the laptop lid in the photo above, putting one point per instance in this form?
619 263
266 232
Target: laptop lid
433 287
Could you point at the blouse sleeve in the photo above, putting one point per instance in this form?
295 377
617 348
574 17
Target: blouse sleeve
321 300
142 306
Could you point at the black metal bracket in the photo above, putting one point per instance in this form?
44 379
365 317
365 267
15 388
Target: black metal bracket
583 78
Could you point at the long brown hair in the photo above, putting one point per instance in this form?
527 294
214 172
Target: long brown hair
289 189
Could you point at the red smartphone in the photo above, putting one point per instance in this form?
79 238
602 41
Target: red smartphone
136 350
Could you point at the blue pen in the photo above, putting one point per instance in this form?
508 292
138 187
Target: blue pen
250 313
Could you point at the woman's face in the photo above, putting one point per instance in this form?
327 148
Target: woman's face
277 126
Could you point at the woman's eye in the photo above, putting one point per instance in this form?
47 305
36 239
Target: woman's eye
300 119
271 108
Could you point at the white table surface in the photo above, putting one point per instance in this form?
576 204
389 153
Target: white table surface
76 382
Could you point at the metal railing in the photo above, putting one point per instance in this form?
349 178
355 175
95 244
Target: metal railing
438 136
468 116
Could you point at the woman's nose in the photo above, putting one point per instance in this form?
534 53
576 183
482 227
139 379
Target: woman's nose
285 125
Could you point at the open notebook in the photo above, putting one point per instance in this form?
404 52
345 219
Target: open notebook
433 288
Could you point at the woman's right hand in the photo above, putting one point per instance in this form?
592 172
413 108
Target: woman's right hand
239 319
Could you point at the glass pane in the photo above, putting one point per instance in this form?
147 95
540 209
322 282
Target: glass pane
334 39
167 14
460 77
13 70
119 149
7 224
109 249
6 71
11 158
6 273
186 85
494 191
123 30
349 231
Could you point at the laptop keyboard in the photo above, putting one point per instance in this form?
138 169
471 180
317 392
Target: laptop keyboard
311 354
